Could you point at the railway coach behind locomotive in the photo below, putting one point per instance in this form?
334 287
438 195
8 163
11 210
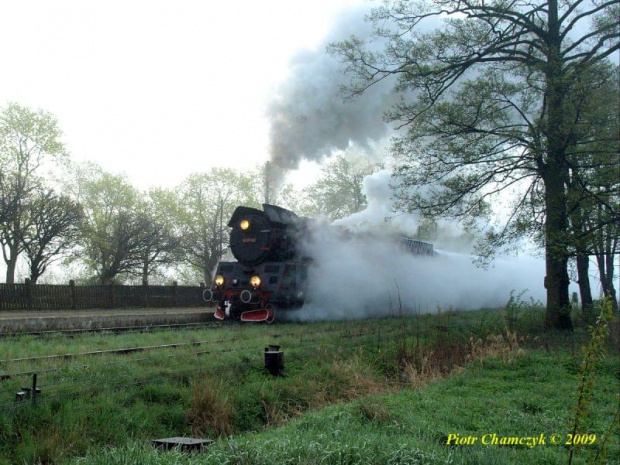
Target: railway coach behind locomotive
270 271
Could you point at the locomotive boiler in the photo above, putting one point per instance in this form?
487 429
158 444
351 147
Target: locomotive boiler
271 270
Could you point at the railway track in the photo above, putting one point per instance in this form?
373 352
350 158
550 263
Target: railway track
117 329
345 335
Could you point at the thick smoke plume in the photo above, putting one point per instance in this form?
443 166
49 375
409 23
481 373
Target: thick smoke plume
368 273
308 117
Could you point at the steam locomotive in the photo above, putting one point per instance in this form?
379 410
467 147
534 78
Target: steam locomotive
271 270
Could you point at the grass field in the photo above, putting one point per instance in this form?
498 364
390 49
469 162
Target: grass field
373 391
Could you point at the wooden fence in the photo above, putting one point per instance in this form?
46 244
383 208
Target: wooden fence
30 296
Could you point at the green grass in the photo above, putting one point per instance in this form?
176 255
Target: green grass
95 400
107 408
528 396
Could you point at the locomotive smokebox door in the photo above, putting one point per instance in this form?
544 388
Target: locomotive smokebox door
274 360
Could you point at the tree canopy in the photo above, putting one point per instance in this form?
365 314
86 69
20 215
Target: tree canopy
488 106
29 144
205 202
114 230
53 229
338 192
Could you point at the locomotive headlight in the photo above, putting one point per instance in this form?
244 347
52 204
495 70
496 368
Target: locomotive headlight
219 280
244 225
255 281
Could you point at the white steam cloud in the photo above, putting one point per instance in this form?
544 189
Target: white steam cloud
379 213
364 275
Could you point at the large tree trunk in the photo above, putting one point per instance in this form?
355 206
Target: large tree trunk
556 227
10 269
11 262
145 270
610 283
35 274
611 246
605 247
606 273
107 276
556 257
555 178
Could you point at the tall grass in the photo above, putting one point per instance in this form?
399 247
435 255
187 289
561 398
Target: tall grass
211 412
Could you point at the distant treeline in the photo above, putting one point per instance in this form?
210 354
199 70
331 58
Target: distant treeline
30 296
53 211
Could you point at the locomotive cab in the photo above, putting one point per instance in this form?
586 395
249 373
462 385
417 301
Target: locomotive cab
270 272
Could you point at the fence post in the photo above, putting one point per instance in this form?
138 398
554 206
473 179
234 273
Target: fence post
175 293
34 389
29 299
202 292
145 293
73 299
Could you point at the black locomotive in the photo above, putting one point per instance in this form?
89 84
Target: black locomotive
271 270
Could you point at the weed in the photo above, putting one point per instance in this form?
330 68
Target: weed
519 314
531 408
356 377
281 402
412 426
503 346
211 412
274 415
373 409
592 355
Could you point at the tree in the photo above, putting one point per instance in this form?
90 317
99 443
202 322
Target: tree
338 192
7 199
594 182
486 108
114 231
162 246
28 141
117 248
53 228
205 203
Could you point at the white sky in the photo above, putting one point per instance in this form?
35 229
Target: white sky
156 89
153 88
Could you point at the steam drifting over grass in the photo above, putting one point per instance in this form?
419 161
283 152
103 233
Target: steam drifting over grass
367 272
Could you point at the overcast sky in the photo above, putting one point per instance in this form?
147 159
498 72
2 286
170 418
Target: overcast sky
157 89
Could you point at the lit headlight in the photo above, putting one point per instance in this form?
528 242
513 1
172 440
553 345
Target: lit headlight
219 280
244 225
255 281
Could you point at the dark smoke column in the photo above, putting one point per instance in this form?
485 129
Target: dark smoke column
308 117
